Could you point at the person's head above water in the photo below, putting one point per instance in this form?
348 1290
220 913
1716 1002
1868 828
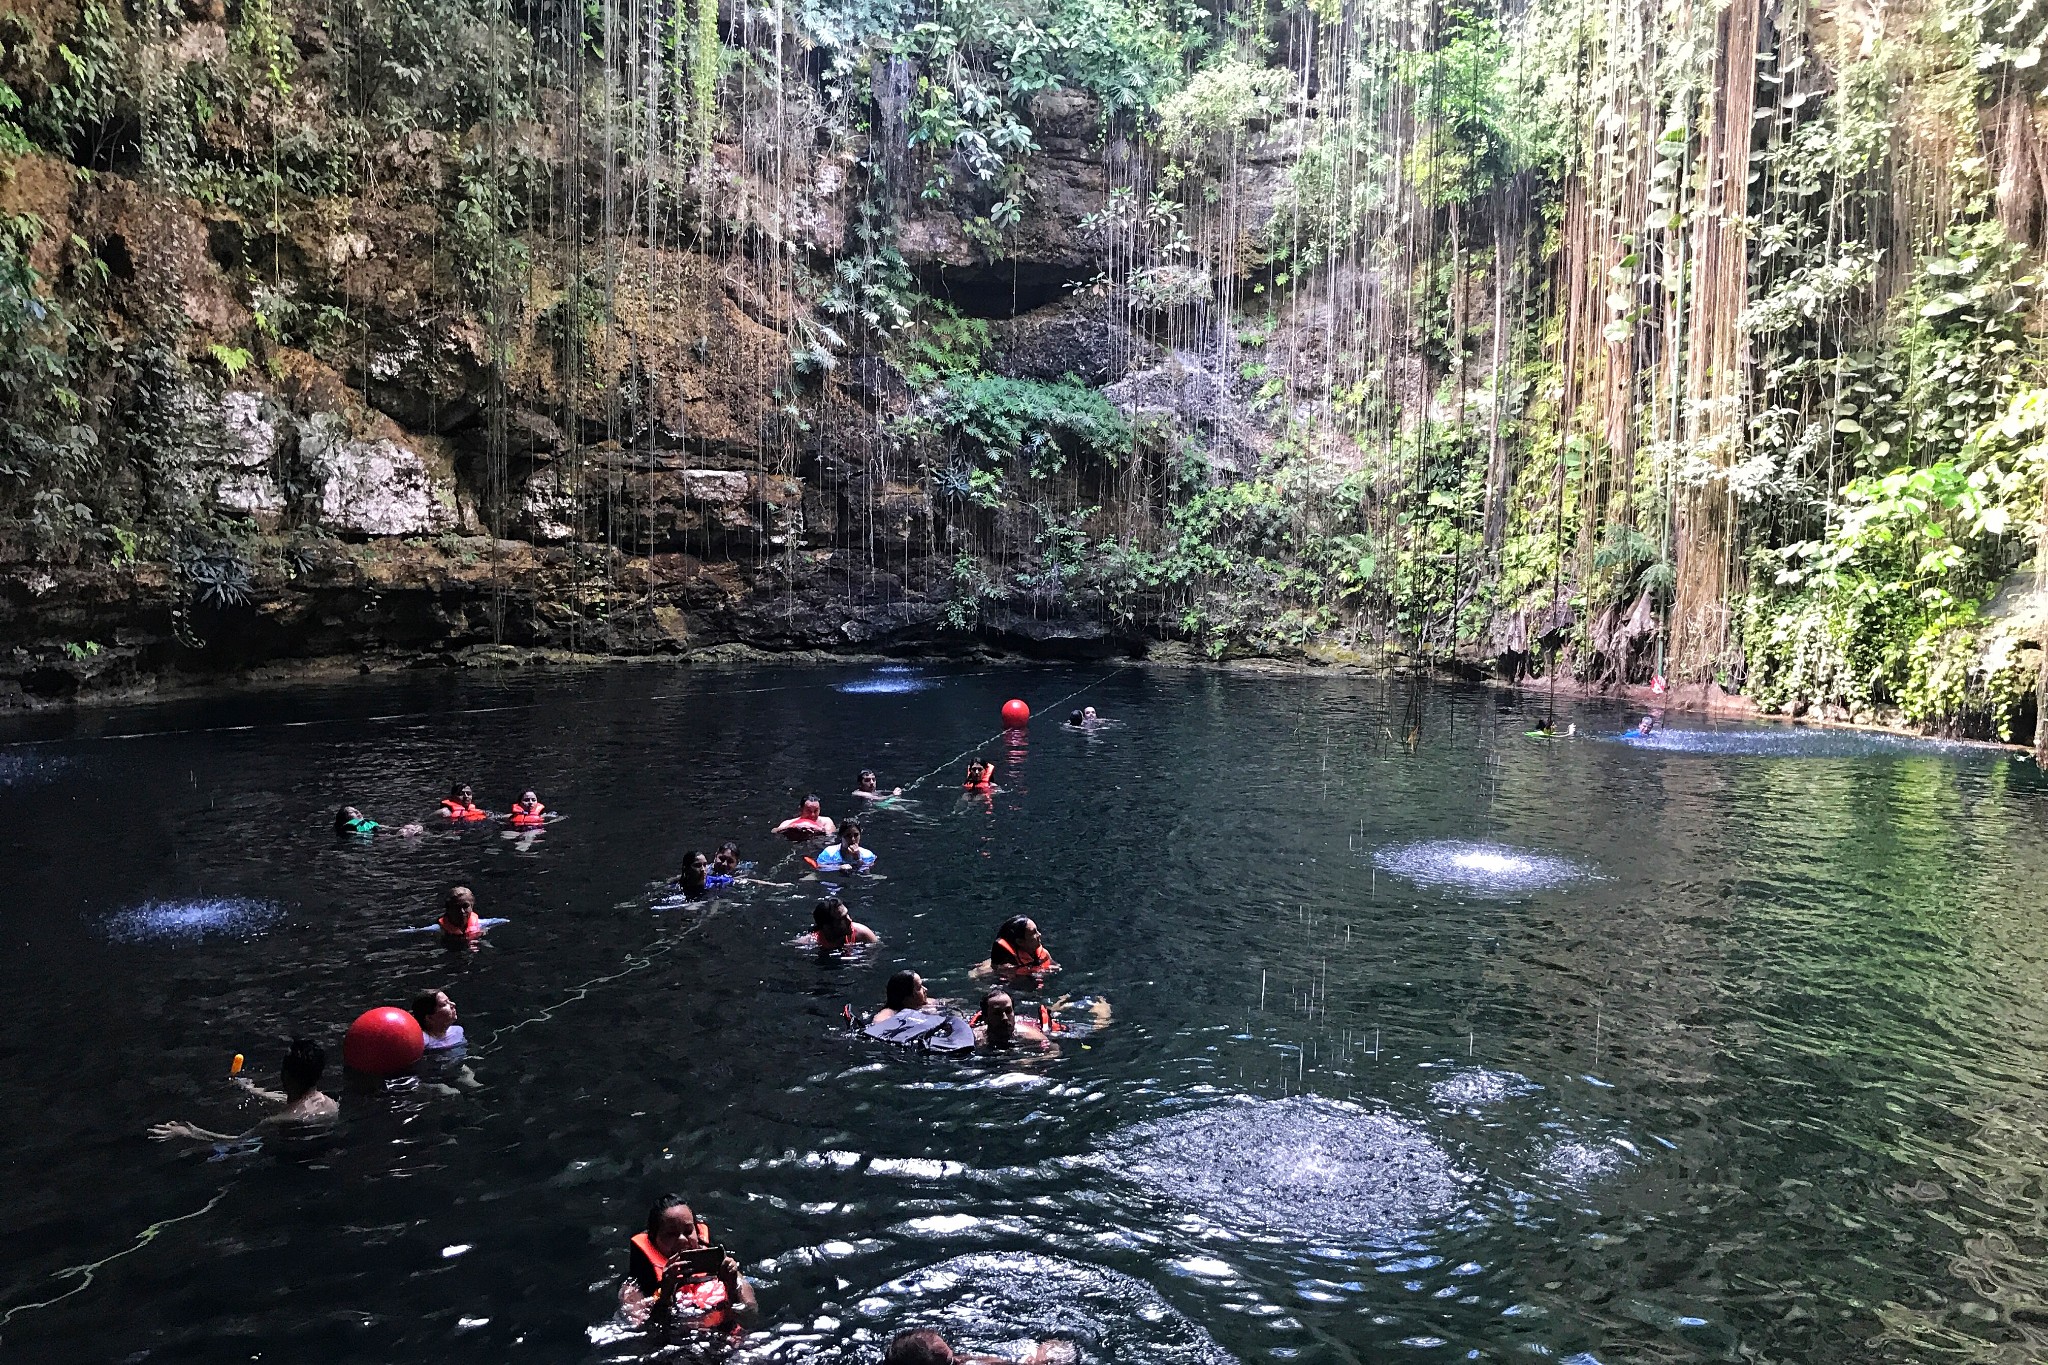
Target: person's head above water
304 1062
1074 719
460 900
849 835
459 792
1021 933
696 867
673 1227
906 991
346 819
434 1010
811 807
867 780
727 859
1088 713
919 1346
529 798
999 1016
832 921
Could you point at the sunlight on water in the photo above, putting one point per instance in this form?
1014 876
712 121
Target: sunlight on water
1483 868
1303 1166
155 921
888 679
28 770
1476 1087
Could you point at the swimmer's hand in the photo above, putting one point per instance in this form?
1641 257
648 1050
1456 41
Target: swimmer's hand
272 1096
412 830
164 1132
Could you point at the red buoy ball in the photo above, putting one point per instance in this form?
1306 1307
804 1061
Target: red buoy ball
1016 714
383 1042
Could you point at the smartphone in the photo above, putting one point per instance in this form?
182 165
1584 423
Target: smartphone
703 1261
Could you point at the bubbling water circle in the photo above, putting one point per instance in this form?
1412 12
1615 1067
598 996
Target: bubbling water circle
1489 869
163 921
1310 1168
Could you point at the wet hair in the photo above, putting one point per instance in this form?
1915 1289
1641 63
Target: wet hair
812 800
304 1061
1074 719
830 910
867 774
918 1346
662 1204
424 1005
341 819
902 987
728 847
690 863
459 898
848 829
456 788
1013 928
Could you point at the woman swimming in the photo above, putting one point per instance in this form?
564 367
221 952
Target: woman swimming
833 927
436 1015
848 852
459 804
349 820
695 877
981 775
1019 952
527 812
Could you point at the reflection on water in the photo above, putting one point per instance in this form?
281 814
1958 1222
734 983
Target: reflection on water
888 679
1789 741
1607 1053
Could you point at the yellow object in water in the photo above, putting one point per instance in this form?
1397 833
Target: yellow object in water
235 1067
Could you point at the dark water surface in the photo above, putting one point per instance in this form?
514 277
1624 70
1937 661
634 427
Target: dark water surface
1475 1048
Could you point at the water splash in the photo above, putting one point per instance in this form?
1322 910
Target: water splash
1488 869
889 679
1777 741
1002 1304
1477 1087
1577 1163
28 770
1305 1167
166 921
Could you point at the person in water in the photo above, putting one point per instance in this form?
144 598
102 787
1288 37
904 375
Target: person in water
528 811
1647 725
1076 720
459 922
1019 952
923 1346
867 789
1000 1027
981 775
807 822
305 1107
849 851
695 878
436 1013
905 991
725 865
667 1277
834 927
459 804
1088 716
349 820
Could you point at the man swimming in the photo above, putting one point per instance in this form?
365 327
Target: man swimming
867 789
305 1110
808 822
834 928
1000 1027
673 1269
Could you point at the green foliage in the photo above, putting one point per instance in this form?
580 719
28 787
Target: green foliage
1471 144
49 444
995 420
1199 122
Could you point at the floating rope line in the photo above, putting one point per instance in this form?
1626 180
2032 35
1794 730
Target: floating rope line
84 1274
635 963
916 782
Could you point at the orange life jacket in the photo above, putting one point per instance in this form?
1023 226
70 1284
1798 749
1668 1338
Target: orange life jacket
1018 962
705 1294
471 928
458 810
523 814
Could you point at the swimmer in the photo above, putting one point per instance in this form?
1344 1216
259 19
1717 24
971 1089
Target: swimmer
867 789
459 922
905 991
349 820
668 1269
1647 725
305 1107
981 775
922 1346
1019 952
1088 716
807 822
834 928
1076 719
695 878
528 811
1000 1027
436 1013
725 864
459 804
848 852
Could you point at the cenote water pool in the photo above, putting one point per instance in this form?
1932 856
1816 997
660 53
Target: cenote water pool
1430 1041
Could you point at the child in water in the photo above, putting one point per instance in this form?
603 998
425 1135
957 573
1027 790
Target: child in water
459 922
436 1013
349 820
527 811
848 852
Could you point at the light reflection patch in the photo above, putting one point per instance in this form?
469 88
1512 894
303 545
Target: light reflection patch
1487 869
889 679
165 921
1789 742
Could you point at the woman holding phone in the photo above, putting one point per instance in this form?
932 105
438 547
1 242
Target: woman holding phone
676 1274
